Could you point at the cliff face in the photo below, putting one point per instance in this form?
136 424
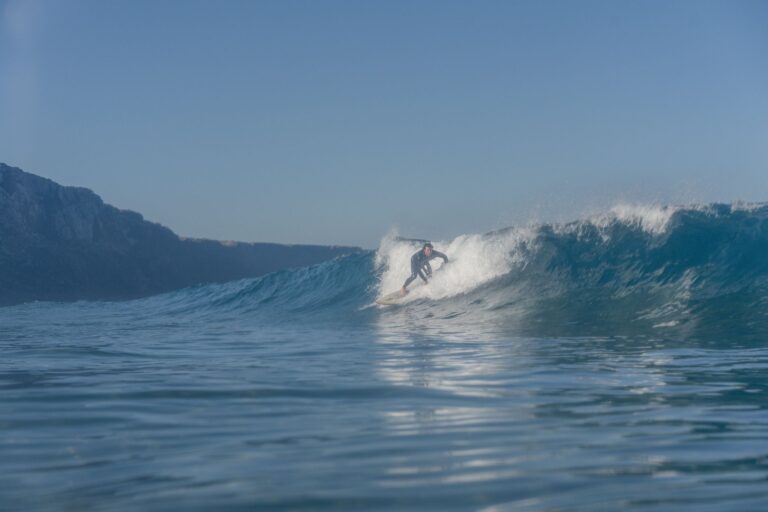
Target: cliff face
65 243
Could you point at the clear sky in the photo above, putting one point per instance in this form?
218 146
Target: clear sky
333 121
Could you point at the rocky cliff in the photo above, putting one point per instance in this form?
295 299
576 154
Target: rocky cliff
64 243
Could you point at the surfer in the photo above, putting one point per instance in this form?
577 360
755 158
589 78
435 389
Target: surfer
420 266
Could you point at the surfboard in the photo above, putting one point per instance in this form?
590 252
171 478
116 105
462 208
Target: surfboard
390 299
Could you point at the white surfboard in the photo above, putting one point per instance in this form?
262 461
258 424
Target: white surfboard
390 299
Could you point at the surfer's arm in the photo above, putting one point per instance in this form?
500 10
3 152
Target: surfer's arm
438 254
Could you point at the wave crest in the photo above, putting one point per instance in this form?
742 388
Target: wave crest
648 269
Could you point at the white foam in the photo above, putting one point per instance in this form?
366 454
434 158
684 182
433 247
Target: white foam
747 206
653 219
474 260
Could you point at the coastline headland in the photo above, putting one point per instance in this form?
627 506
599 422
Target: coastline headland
60 243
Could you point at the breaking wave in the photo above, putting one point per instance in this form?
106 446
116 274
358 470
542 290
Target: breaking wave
677 271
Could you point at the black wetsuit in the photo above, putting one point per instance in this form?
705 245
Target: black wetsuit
420 266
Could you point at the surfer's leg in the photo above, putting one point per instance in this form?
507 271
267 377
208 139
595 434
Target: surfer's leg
415 272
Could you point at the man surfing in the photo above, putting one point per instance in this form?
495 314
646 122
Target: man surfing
420 266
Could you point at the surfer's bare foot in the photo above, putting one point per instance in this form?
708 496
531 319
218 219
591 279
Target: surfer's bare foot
403 292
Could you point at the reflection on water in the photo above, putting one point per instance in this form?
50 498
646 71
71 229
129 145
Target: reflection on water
577 423
422 408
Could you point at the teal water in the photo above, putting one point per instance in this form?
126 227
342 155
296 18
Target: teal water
609 364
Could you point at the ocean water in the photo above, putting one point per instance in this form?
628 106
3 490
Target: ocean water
618 362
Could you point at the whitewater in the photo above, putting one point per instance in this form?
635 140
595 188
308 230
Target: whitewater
615 362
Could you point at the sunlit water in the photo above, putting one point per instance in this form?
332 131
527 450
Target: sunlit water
276 394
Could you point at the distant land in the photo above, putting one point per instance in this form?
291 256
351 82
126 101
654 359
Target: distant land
62 243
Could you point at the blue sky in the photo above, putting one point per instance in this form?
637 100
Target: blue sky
331 122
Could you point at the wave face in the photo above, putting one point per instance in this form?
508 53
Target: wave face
684 271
